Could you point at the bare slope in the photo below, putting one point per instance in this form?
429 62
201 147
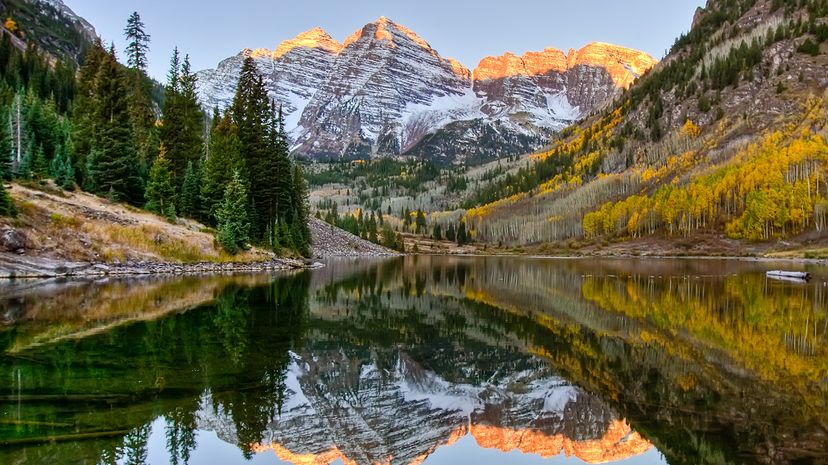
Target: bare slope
330 241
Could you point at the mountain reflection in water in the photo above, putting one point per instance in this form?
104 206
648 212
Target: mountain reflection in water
396 361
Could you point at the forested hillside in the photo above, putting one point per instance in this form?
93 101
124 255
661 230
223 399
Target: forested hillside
49 25
102 128
727 135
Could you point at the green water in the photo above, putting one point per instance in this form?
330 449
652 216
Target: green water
421 360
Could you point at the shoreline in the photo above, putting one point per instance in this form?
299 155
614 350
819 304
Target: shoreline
14 267
534 256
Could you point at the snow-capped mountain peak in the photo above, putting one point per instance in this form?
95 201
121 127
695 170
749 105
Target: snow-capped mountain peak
384 89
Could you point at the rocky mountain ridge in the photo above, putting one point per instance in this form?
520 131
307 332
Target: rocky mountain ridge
384 91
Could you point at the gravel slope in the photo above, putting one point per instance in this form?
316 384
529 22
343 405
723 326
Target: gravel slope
330 241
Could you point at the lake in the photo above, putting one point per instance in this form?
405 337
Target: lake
421 360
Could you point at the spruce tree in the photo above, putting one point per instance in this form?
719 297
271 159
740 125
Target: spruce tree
462 238
251 113
6 146
7 207
138 40
450 233
183 120
190 192
160 191
301 194
193 116
115 171
62 170
284 194
142 115
233 225
225 158
84 114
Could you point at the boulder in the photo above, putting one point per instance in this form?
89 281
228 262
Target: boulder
12 240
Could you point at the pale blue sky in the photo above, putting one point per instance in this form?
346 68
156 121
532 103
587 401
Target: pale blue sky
211 30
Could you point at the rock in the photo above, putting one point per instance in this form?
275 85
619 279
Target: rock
12 240
101 268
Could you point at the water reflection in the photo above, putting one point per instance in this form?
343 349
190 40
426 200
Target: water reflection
401 361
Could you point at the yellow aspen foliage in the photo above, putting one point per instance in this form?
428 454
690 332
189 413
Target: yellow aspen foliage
690 129
10 24
771 189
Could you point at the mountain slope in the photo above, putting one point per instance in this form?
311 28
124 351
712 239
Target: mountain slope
725 136
386 92
52 25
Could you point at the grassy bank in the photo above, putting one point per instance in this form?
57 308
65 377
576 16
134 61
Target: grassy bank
76 226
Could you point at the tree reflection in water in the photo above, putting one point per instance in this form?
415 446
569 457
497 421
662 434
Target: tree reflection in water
386 361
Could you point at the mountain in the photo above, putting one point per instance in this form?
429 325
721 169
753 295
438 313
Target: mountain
385 91
724 140
344 405
50 24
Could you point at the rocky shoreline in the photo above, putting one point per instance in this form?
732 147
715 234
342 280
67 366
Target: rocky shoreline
14 266
19 260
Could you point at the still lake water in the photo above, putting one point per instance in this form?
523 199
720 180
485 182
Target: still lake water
421 360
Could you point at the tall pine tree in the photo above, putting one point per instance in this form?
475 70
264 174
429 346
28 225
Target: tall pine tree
183 123
113 168
6 145
225 158
251 114
84 115
142 115
301 224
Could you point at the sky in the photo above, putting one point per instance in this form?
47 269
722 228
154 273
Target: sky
210 31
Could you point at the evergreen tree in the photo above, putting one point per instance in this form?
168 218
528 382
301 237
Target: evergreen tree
420 222
399 244
225 159
7 207
114 168
38 166
251 113
450 233
84 115
193 116
160 191
138 40
6 146
233 224
62 170
462 238
183 119
190 192
437 233
281 170
388 239
142 115
301 218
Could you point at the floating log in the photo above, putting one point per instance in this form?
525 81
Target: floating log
789 275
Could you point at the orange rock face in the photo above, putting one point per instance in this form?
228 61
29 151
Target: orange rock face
623 64
619 443
314 38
